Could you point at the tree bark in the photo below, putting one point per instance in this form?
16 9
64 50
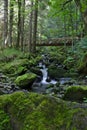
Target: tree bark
11 22
22 23
83 14
5 22
35 26
30 28
19 24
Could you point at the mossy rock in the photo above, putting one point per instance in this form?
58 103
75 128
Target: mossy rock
56 72
82 65
82 68
76 93
31 111
26 80
4 121
36 70
16 67
54 59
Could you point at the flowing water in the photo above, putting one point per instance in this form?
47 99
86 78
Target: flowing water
44 71
43 84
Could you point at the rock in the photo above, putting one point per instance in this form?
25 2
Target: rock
58 84
82 65
26 80
50 86
48 79
31 111
76 93
17 67
38 79
56 72
36 71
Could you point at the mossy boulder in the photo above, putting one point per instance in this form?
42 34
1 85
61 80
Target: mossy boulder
17 67
82 64
26 80
31 111
4 121
56 72
76 93
36 70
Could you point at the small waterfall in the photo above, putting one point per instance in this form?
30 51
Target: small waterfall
45 75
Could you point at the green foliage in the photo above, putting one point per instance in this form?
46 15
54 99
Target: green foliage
9 54
85 100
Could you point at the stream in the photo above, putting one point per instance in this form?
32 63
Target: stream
46 86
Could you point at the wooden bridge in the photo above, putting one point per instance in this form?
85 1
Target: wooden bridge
68 41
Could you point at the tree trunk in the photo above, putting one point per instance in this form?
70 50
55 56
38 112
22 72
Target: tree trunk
35 26
19 24
83 14
85 20
30 28
5 22
22 23
11 22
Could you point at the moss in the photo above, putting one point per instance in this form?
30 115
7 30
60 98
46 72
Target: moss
4 121
26 80
36 70
15 67
31 111
76 93
56 72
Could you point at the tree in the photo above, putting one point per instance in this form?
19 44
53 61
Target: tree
19 24
22 23
5 22
30 27
35 26
11 21
82 6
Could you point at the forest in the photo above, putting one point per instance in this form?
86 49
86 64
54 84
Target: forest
43 64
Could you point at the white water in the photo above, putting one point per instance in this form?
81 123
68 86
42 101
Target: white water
42 85
64 80
45 75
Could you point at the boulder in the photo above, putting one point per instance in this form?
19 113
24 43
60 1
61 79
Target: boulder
76 93
16 67
31 111
26 80
56 72
36 70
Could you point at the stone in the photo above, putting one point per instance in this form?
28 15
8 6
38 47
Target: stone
26 80
31 111
75 93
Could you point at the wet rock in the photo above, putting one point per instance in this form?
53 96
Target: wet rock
48 79
38 79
